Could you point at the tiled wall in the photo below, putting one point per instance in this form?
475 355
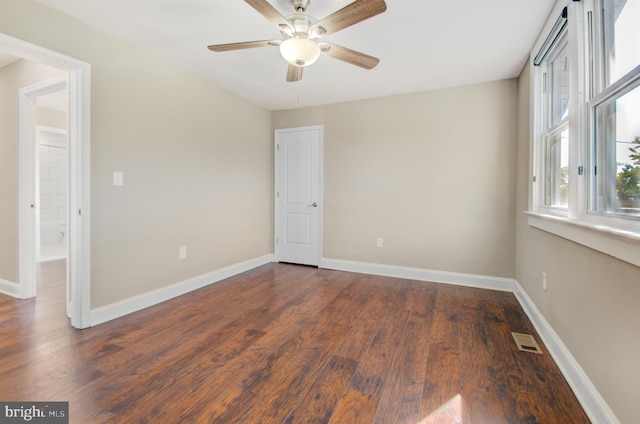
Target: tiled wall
54 165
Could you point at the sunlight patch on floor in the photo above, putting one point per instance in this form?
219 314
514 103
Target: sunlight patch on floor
449 413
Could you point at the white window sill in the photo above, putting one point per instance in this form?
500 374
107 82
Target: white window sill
624 245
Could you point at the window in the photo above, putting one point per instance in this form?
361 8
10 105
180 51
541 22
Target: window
553 60
556 129
615 187
586 128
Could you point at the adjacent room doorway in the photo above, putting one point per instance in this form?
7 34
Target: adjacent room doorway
44 178
77 82
298 182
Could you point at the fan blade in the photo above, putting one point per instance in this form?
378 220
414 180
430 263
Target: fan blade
244 45
294 73
269 12
349 15
350 56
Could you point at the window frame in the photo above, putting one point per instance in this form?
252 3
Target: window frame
543 124
611 234
623 86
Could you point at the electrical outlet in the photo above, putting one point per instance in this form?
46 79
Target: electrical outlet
544 281
183 252
379 242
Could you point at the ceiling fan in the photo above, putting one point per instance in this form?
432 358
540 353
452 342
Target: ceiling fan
302 33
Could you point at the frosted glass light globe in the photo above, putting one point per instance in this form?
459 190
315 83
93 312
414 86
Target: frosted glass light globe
299 51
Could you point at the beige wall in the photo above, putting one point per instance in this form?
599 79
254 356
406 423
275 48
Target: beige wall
592 300
13 77
197 161
52 118
432 173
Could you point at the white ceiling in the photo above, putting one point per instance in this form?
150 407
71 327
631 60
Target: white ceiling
422 44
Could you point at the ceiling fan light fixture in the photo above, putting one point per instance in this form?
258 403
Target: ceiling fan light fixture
300 51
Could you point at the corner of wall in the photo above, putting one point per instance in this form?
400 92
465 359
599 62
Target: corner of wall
593 403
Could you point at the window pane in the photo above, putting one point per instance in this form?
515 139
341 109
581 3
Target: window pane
558 68
622 37
557 169
618 155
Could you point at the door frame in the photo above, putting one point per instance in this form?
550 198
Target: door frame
79 225
277 178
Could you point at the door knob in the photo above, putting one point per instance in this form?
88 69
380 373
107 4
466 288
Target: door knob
314 204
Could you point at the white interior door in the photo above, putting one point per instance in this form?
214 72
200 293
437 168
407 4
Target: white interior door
298 195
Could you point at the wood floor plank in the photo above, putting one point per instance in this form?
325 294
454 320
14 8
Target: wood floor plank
480 395
442 376
362 334
376 362
179 372
286 343
406 380
317 345
277 404
229 360
373 294
268 370
323 396
221 345
265 377
355 408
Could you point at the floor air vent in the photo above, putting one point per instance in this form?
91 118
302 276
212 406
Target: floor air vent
526 342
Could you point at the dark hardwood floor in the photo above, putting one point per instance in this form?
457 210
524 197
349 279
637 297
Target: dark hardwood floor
287 344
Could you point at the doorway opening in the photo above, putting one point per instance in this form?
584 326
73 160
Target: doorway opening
44 177
74 85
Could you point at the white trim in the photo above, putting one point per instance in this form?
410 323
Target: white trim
623 245
594 405
434 276
79 247
592 402
9 288
124 307
79 86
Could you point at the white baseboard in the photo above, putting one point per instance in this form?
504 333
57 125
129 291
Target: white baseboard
118 309
592 402
9 288
461 279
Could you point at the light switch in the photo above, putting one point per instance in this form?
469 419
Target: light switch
118 179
